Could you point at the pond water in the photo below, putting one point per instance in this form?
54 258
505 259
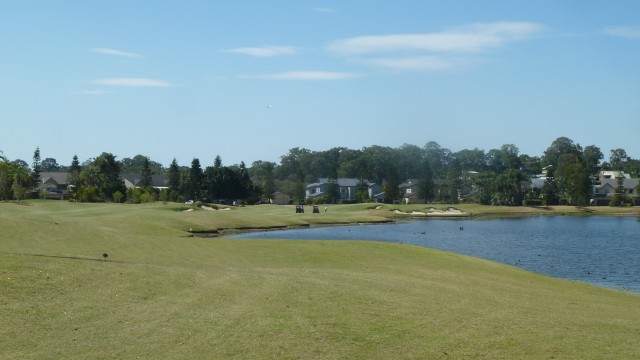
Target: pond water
604 251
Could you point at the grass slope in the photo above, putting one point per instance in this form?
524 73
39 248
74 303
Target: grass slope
162 294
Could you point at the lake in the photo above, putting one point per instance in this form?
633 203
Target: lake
604 251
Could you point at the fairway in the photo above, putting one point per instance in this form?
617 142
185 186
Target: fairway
163 293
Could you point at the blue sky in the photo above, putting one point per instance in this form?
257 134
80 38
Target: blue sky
249 80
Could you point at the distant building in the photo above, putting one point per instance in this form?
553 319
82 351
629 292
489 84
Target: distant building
606 175
54 184
280 198
347 188
132 181
607 187
411 188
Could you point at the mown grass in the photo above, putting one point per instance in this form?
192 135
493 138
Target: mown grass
163 294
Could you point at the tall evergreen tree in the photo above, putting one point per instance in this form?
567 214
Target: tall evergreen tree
194 184
618 196
550 190
174 176
146 180
73 176
36 169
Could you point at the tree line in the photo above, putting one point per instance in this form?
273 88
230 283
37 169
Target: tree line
499 176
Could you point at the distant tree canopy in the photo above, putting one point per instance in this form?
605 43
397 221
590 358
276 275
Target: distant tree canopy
498 176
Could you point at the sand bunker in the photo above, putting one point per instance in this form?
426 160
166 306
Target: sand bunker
432 212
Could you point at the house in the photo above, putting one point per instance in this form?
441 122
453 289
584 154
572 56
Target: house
411 188
606 175
132 181
347 188
280 198
54 184
607 187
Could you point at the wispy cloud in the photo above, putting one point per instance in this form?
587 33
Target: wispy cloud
323 9
303 75
132 82
630 32
433 51
265 51
114 52
471 38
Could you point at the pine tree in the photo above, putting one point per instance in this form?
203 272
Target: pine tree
618 196
174 176
36 170
146 180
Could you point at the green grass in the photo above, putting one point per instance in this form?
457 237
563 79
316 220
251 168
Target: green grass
164 294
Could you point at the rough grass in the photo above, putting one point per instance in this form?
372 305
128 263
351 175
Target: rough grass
163 294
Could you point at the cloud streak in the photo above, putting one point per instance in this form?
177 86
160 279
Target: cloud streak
471 38
629 32
114 52
265 51
132 82
433 51
303 75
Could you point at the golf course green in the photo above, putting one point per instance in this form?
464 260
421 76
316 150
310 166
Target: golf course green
153 281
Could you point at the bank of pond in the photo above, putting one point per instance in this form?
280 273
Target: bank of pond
604 251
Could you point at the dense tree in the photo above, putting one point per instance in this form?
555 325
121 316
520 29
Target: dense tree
262 174
505 158
136 164
618 159
109 180
592 157
174 176
618 196
21 181
426 187
146 180
409 161
50 165
438 157
19 163
492 177
469 160
578 184
511 186
530 164
194 183
7 175
550 191
560 146
73 176
36 169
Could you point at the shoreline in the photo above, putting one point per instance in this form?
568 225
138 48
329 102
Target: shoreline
395 214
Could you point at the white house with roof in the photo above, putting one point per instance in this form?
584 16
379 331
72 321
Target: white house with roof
347 188
607 187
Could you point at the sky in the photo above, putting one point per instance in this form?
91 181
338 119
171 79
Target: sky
250 80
